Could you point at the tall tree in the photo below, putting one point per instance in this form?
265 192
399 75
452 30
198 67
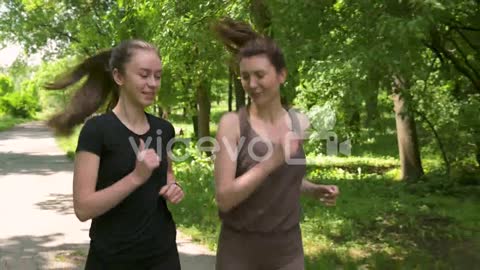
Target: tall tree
411 165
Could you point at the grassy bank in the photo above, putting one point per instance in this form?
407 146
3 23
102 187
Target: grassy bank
379 222
7 122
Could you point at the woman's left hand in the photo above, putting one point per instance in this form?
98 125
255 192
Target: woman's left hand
172 192
326 194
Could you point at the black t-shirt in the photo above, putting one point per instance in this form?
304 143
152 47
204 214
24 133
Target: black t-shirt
141 225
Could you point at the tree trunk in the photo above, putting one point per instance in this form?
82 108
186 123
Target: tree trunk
239 93
203 110
371 105
354 122
195 125
159 111
352 107
411 164
165 112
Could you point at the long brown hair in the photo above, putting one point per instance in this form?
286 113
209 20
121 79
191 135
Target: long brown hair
241 40
99 85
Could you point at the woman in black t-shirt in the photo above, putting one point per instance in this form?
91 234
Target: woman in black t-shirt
123 176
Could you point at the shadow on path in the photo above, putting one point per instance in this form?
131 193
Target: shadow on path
39 252
33 130
31 163
59 203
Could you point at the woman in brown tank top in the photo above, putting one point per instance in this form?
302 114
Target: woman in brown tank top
259 167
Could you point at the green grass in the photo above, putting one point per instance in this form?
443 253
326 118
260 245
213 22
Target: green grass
69 144
71 256
371 143
7 122
383 223
379 222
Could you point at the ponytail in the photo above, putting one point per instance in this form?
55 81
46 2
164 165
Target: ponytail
234 34
98 86
240 39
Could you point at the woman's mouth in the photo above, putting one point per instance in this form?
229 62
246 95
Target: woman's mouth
149 95
257 94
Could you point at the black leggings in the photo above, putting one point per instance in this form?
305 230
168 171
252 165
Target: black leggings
167 261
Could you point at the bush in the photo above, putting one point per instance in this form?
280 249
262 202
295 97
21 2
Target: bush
197 214
6 84
23 104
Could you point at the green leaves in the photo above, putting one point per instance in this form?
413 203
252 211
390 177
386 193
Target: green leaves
342 51
23 104
6 84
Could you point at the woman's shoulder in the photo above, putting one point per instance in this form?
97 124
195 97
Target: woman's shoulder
98 120
159 123
93 132
158 120
100 117
230 118
229 125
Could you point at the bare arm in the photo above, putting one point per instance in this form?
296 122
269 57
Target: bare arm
89 203
172 191
308 187
170 173
231 191
325 193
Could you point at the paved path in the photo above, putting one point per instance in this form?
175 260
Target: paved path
38 229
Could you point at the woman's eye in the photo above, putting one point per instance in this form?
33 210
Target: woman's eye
260 75
144 75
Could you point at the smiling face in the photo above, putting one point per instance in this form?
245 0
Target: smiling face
260 79
140 79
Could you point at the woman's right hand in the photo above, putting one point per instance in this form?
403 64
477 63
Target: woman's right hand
147 161
282 151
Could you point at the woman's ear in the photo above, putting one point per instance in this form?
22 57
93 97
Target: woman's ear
117 77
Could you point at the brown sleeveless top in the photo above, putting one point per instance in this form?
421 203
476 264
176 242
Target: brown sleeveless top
275 205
